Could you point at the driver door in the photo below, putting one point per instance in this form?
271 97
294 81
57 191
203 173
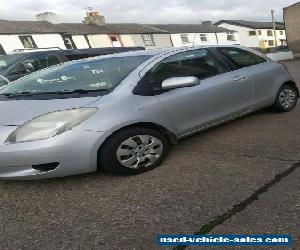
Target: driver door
219 95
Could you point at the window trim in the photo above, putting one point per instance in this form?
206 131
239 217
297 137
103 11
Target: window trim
185 36
150 40
230 34
252 33
203 35
270 33
31 41
66 36
271 41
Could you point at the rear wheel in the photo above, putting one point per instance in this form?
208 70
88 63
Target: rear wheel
133 151
286 99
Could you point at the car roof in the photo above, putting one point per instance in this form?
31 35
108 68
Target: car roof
151 53
155 52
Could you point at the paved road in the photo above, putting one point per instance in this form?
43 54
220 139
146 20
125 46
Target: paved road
245 173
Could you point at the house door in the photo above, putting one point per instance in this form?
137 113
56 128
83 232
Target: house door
115 41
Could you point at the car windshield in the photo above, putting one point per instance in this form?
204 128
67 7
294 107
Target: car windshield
7 60
87 75
3 81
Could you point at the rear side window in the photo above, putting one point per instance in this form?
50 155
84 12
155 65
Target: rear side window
73 57
241 58
53 60
198 63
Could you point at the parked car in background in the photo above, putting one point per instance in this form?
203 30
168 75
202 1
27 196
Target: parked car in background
121 112
23 62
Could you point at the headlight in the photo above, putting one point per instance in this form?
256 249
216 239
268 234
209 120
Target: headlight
50 125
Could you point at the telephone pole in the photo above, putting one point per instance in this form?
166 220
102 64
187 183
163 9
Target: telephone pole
274 27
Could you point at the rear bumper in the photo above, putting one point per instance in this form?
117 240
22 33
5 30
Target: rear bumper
74 152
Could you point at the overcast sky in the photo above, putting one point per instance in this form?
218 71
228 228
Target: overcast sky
147 11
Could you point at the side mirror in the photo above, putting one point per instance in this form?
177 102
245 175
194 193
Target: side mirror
28 67
180 82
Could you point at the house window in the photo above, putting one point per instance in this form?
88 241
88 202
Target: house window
69 43
184 38
230 36
203 37
271 43
28 42
148 40
114 38
115 41
270 33
281 32
252 33
259 33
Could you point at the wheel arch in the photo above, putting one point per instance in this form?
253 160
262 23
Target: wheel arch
292 84
171 137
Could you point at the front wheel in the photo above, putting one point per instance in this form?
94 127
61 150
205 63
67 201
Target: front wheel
286 99
133 151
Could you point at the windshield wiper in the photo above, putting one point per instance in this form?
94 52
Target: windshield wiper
65 92
81 91
18 94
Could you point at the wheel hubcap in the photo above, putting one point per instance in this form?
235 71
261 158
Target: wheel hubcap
287 98
139 151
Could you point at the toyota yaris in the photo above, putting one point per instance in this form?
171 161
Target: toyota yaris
121 112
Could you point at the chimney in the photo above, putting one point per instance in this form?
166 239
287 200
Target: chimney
94 18
207 22
50 17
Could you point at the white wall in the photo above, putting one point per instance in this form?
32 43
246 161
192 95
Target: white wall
99 41
212 39
160 41
194 39
127 40
264 36
49 40
12 42
255 41
80 42
222 38
245 39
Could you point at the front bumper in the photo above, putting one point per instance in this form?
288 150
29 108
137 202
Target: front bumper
75 151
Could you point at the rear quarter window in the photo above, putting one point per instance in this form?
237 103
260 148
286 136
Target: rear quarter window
241 58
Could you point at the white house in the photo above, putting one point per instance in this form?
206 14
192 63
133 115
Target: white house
82 35
16 35
28 35
256 34
198 34
94 32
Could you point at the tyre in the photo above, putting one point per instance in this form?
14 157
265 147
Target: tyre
133 151
286 99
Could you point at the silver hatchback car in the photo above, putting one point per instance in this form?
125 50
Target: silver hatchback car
121 112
